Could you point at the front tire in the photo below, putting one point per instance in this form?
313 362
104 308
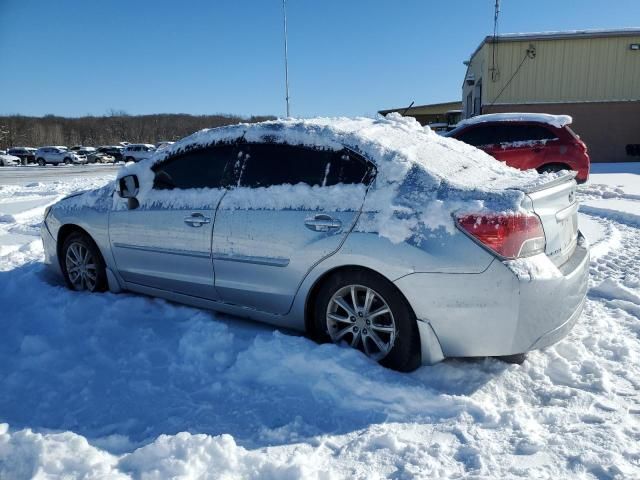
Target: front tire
370 314
67 161
130 159
41 162
82 264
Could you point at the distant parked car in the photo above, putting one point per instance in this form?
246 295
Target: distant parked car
527 140
26 154
163 144
113 150
134 152
100 157
8 160
57 155
371 232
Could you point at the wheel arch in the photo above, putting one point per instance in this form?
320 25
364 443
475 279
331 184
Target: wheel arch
309 324
63 233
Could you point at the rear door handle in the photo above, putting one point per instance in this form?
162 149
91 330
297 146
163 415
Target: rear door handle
323 223
196 220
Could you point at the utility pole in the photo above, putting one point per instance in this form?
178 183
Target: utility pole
286 59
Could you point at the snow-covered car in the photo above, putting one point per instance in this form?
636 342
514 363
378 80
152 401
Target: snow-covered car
9 160
57 155
26 154
100 157
527 140
374 232
114 151
134 152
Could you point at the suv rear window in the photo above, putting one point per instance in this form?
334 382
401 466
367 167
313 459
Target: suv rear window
497 134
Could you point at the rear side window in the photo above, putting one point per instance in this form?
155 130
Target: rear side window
524 133
506 133
264 165
204 168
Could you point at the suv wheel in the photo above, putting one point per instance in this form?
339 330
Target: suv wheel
370 314
82 264
129 159
67 161
41 162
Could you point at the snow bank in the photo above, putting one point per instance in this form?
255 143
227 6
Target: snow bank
558 121
131 387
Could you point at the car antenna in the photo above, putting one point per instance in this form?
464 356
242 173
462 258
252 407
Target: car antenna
407 109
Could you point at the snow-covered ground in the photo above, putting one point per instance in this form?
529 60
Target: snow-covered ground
124 386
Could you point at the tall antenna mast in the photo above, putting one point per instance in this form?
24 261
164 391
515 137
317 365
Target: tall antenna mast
286 59
496 14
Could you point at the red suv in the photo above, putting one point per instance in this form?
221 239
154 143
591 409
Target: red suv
527 140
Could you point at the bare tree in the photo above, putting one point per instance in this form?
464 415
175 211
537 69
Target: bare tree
117 126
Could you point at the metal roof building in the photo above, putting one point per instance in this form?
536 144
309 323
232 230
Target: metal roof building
592 75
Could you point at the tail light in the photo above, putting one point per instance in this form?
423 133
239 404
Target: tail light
510 236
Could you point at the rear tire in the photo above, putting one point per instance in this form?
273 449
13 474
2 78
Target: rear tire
82 264
334 310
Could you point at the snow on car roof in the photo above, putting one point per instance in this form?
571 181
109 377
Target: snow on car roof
395 144
421 179
558 121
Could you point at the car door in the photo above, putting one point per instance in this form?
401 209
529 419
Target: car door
523 145
58 155
282 219
165 242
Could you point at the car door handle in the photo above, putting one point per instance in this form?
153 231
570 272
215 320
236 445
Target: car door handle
196 220
323 223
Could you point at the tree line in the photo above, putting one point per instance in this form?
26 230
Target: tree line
117 126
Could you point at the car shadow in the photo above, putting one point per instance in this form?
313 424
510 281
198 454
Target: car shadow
123 369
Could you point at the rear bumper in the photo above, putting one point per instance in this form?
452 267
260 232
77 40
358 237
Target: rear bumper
583 175
497 313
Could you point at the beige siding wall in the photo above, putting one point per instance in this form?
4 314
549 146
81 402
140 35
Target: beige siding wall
564 70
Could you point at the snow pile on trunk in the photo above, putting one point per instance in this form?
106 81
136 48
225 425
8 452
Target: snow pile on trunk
557 121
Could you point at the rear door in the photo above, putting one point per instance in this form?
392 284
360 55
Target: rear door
165 243
523 145
283 218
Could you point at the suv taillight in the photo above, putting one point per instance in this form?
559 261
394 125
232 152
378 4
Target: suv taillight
510 236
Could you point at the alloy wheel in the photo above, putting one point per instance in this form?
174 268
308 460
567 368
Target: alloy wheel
81 267
360 316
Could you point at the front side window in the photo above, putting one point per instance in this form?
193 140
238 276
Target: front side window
203 168
268 164
523 133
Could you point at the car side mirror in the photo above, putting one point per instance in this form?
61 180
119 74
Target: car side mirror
129 186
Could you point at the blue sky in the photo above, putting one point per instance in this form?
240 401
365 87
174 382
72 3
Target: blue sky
349 57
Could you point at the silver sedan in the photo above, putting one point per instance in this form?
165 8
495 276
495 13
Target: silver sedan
369 232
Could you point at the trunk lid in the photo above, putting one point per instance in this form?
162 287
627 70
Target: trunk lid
556 205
